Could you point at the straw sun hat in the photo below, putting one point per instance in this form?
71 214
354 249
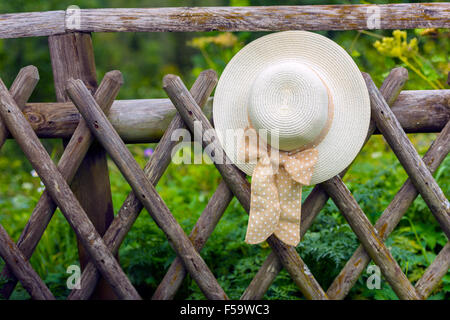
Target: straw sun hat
283 81
308 94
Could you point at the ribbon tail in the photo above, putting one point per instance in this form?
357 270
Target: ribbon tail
264 204
288 229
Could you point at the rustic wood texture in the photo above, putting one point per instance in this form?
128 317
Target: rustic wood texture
204 227
136 121
72 55
391 216
434 273
317 199
263 279
22 268
410 110
145 120
144 189
154 169
268 18
20 90
408 157
191 113
63 196
68 164
32 24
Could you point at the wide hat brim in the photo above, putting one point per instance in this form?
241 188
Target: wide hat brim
346 85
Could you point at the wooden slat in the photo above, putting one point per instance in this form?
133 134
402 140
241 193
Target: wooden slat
270 18
68 164
22 268
144 189
418 172
434 272
317 199
32 24
145 120
72 56
63 196
191 112
389 220
20 90
154 169
416 110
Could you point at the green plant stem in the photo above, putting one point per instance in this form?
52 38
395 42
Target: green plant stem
371 34
358 34
422 249
208 59
417 60
417 71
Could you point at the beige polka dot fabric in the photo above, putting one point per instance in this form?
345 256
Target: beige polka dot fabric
276 192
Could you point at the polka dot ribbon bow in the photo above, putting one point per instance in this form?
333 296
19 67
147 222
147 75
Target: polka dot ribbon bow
276 191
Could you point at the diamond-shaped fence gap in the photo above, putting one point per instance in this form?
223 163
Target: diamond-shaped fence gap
372 188
409 250
327 246
118 182
242 260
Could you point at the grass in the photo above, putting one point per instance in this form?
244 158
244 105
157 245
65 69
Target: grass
145 254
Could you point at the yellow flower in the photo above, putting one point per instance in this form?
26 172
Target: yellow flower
397 46
224 40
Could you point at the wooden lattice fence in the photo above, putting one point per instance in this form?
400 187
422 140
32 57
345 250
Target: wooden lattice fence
89 137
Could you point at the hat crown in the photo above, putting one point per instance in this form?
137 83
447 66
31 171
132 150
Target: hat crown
290 101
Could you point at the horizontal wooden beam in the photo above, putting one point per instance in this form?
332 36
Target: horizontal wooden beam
260 18
270 18
32 24
145 120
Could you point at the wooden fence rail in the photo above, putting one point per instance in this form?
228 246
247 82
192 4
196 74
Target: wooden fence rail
86 113
269 18
145 120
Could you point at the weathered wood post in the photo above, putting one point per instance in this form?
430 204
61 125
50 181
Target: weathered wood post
72 56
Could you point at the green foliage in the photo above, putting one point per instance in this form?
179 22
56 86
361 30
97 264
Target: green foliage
145 255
